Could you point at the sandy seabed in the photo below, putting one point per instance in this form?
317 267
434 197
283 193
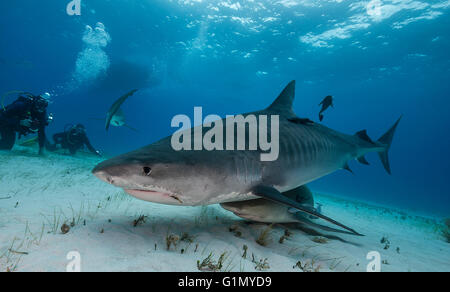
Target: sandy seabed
40 194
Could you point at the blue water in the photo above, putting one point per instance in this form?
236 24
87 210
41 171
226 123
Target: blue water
379 60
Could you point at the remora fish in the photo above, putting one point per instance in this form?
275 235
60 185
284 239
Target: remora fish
326 103
308 151
262 210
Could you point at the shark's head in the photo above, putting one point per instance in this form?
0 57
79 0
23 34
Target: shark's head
166 177
118 120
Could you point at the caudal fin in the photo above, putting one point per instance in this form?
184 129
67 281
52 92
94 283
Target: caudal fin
386 139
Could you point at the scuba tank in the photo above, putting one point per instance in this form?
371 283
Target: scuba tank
68 132
23 94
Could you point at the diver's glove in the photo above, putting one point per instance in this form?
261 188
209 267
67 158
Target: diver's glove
26 123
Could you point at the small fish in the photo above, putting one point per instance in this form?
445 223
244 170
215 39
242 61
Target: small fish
266 211
326 103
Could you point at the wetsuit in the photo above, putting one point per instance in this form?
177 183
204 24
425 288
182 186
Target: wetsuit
10 122
73 141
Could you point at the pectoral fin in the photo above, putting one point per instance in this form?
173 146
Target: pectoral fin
131 128
305 221
302 214
301 195
272 194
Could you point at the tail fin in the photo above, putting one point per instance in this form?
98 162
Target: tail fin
386 139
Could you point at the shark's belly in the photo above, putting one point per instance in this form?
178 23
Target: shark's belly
230 197
304 175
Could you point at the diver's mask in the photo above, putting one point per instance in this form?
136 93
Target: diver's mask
41 102
78 130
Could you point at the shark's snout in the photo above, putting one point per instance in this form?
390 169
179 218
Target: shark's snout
103 175
100 171
108 172
136 180
235 208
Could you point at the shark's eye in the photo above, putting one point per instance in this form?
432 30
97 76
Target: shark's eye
147 170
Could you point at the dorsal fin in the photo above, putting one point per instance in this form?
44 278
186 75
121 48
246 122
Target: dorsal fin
363 135
283 104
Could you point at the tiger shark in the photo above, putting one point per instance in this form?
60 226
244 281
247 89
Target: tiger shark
118 120
307 151
262 210
265 211
115 115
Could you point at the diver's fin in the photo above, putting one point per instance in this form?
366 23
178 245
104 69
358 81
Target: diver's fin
272 194
386 139
285 100
363 160
363 136
347 167
320 117
301 121
29 142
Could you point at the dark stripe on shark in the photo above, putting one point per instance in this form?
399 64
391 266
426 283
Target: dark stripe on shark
272 194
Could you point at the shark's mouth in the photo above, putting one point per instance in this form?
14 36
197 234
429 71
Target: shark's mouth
156 196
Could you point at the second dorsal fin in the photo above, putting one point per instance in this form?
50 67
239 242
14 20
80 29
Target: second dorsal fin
363 160
363 135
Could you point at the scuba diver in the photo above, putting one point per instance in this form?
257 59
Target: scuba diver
73 140
27 115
